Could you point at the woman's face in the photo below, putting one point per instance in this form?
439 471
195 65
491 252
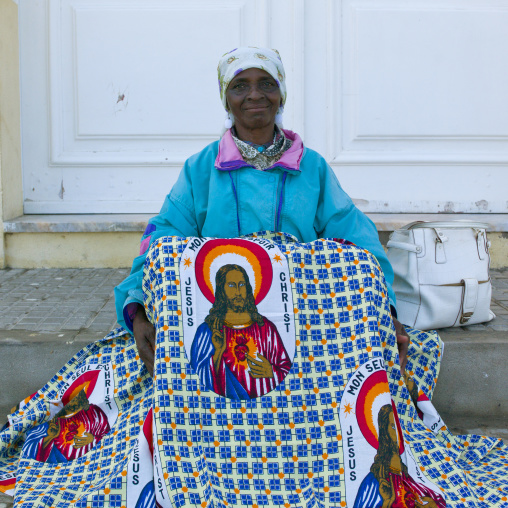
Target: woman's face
253 98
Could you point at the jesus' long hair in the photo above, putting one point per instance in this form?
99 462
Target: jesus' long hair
387 447
412 388
220 305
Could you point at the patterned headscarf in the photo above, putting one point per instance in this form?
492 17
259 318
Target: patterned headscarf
243 58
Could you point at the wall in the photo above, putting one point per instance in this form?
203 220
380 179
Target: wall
11 196
397 95
71 250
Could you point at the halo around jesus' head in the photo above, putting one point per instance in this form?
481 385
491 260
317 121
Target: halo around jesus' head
249 255
373 395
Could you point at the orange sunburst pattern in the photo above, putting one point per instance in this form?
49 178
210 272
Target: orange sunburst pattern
7 486
252 257
241 251
86 382
371 396
348 409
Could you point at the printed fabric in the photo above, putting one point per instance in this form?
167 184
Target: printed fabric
276 384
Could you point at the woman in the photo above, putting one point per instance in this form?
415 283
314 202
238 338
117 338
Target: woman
172 442
258 177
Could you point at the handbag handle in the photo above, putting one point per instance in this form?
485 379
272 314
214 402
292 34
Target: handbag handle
405 246
446 224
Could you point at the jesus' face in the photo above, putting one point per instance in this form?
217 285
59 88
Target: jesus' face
236 290
392 431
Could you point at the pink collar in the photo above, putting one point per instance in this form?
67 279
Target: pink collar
229 157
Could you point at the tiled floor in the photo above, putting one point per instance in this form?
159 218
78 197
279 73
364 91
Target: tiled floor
76 299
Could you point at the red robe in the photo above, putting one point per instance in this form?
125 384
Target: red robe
92 421
408 492
252 340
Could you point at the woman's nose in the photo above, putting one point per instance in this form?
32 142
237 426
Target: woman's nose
254 92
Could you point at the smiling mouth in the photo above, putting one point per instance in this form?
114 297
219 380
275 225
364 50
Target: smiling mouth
257 108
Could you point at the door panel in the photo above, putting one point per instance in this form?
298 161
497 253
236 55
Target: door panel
117 94
405 99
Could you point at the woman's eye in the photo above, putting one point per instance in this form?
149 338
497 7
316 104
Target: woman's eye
268 85
239 86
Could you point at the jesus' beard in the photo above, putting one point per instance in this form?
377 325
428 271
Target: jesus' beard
237 304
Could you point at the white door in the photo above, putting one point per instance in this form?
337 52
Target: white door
405 98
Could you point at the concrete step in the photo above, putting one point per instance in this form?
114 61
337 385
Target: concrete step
29 359
5 501
471 389
473 377
112 240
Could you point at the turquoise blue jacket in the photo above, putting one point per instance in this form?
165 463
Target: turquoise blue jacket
218 194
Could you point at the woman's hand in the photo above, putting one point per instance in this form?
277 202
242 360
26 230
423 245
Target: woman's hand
144 335
402 343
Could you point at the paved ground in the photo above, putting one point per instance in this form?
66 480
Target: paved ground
71 307
53 300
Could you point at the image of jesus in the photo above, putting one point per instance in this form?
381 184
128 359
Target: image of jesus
237 352
70 434
389 485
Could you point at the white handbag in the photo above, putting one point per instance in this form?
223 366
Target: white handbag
441 274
